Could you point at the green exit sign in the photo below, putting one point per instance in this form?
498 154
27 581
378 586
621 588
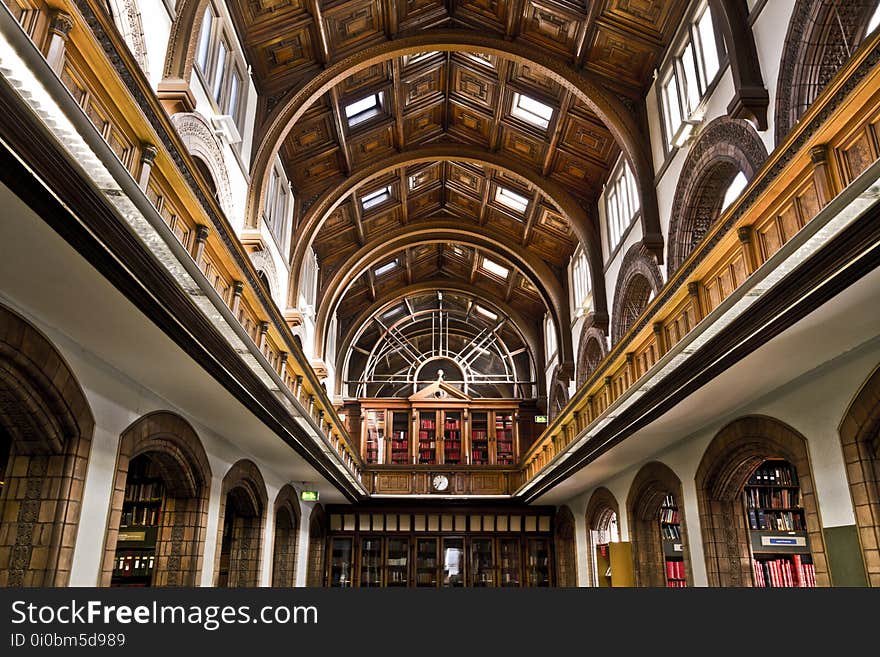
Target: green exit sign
309 496
541 419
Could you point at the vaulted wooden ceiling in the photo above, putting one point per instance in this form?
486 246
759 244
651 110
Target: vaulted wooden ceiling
452 97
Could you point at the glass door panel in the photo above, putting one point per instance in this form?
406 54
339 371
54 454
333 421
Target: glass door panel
400 438
397 562
453 562
538 562
340 562
452 437
371 561
480 439
504 439
426 562
374 440
482 562
509 562
428 437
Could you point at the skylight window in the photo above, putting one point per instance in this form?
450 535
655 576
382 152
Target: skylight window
494 268
391 313
486 313
363 109
378 197
511 199
387 267
531 111
483 58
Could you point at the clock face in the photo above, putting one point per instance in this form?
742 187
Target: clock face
440 482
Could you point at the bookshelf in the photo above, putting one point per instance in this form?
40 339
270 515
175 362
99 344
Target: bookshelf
538 562
427 439
779 541
399 438
341 549
504 435
371 562
135 556
439 425
452 437
426 562
375 437
482 562
670 537
480 439
397 562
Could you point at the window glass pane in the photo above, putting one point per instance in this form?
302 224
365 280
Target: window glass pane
217 85
530 110
375 198
204 40
672 107
232 103
495 268
511 199
708 46
875 20
736 187
692 88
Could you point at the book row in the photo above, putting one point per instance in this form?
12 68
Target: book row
141 517
783 572
133 565
776 520
675 570
143 491
783 498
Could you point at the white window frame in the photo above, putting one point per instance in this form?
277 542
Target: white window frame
581 284
511 200
375 198
519 110
621 203
690 64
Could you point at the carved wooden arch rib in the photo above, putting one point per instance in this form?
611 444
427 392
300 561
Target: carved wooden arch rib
566 551
174 446
583 224
592 347
651 485
860 437
245 484
534 268
724 470
610 110
47 416
637 262
725 146
317 546
813 52
529 335
285 548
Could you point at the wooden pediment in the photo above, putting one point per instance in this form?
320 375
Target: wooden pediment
439 390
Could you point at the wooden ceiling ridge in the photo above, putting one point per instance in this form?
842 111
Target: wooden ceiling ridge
531 266
581 220
588 90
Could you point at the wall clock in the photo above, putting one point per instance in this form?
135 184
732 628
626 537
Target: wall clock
440 482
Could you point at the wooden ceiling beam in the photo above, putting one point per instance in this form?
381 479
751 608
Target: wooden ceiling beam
324 45
407 260
340 130
532 216
514 11
391 13
397 84
358 219
495 133
484 201
475 262
404 196
555 131
371 284
512 282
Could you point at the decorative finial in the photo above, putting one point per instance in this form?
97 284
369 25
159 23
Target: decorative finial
439 375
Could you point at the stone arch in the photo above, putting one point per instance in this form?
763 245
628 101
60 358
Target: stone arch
566 551
241 523
649 488
173 445
724 148
317 546
127 17
263 262
724 470
182 40
601 506
860 439
287 518
199 139
592 348
821 37
47 426
638 281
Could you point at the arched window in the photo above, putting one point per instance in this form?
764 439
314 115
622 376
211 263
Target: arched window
636 298
580 283
549 338
737 185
